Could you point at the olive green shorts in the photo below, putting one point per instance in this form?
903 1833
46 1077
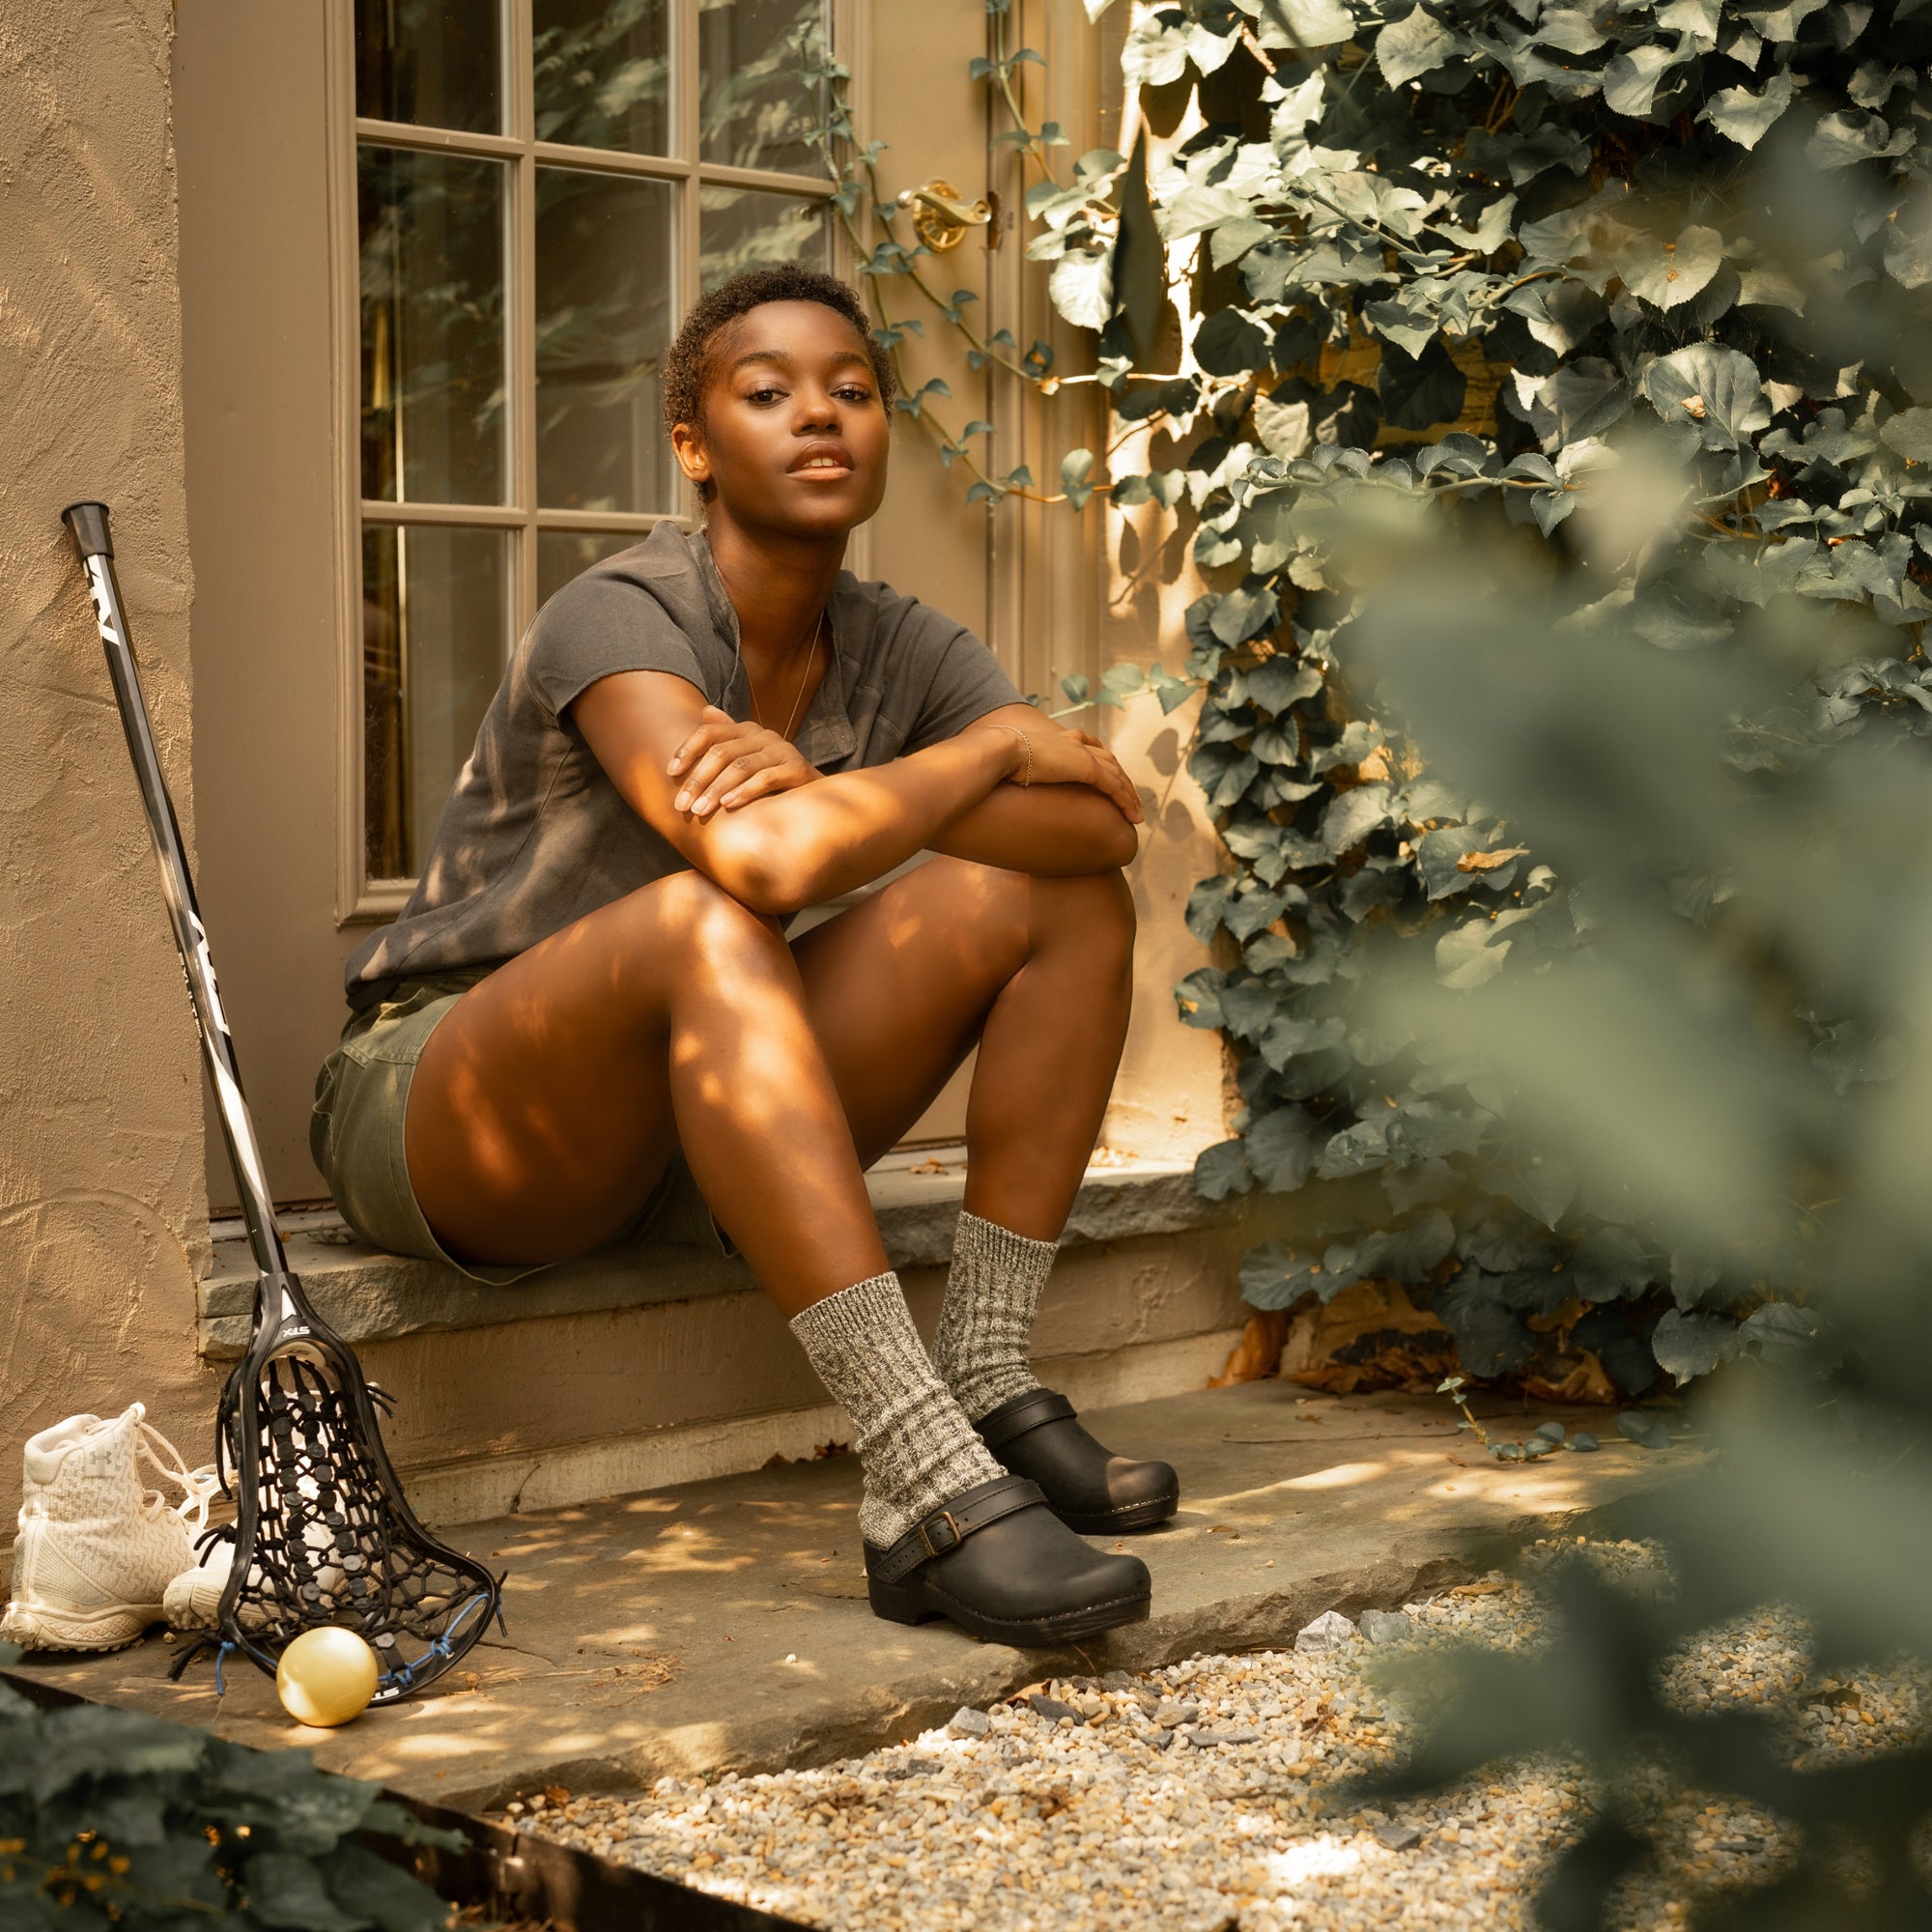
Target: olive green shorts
355 1133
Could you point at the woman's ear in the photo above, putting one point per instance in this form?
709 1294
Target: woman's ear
688 446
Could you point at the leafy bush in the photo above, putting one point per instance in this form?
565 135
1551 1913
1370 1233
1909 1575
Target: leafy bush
1461 247
113 1818
1664 1051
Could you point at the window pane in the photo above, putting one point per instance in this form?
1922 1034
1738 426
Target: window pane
432 266
604 317
752 110
743 227
435 630
602 74
437 63
562 555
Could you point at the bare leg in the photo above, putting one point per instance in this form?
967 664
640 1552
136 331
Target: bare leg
549 1100
1039 972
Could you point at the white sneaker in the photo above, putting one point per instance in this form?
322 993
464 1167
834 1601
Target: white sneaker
192 1600
98 1548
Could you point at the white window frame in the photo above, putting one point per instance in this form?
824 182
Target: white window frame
360 898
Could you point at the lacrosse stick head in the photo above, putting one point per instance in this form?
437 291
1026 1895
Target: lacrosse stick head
323 1532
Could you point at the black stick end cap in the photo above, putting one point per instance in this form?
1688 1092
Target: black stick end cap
87 524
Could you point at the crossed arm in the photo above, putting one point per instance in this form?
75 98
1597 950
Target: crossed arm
746 810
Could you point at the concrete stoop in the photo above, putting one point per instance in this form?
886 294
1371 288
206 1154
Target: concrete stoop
639 1367
723 1624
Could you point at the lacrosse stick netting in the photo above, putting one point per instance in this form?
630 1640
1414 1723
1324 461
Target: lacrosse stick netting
323 1534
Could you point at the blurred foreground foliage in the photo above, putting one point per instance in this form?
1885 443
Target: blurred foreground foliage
1675 1053
111 1818
1475 252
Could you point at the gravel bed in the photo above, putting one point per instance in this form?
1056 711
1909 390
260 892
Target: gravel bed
1205 1794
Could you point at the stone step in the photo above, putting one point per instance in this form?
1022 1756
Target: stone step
724 1625
367 1295
637 1367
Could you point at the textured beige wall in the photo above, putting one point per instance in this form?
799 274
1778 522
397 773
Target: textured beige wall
102 1217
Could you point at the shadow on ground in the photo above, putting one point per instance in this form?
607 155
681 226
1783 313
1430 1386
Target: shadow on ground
724 1625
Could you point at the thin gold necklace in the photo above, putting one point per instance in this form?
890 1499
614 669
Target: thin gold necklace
804 679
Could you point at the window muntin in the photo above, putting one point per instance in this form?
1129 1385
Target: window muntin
542 187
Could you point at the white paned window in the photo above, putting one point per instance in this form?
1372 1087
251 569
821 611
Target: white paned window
541 188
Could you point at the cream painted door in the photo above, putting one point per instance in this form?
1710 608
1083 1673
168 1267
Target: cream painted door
300 477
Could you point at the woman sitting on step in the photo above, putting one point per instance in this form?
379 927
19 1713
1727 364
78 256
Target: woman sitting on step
588 1025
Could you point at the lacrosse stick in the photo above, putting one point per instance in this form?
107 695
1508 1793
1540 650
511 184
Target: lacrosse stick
323 1534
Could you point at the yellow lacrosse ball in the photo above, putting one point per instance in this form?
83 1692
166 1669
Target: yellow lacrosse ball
327 1676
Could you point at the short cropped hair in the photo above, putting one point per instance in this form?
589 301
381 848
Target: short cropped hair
685 362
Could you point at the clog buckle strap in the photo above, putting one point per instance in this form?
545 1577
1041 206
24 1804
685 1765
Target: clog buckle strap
953 1536
949 1527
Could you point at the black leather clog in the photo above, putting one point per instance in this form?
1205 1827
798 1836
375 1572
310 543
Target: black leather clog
1086 1485
1000 1563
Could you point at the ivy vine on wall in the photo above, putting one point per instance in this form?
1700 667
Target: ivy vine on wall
1468 251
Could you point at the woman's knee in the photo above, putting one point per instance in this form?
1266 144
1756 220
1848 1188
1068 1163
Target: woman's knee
688 920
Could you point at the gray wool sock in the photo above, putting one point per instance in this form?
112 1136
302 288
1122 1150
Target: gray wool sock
986 1319
917 1446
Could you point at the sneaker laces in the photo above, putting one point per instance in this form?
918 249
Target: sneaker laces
199 1487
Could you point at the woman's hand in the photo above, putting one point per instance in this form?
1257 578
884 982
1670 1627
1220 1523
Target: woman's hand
730 761
1060 757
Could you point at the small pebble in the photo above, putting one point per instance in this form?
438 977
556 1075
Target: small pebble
1397 1838
1386 1625
1331 1631
1053 1710
967 1722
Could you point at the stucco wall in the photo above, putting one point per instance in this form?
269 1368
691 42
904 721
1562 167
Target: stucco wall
102 1216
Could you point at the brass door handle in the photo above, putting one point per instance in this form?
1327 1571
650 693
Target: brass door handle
939 217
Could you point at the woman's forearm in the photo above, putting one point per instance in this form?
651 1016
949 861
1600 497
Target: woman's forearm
1049 830
805 846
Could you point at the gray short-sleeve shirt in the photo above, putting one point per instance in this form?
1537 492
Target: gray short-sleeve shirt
535 836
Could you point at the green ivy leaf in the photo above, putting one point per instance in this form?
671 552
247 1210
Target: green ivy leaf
1281 1148
1222 1170
1631 79
1718 389
1352 815
1669 273
1843 140
1691 1345
1076 466
1198 998
1778 1330
1274 1275
1229 343
1490 1340
1305 23
1283 680
1414 46
1910 434
1204 904
1744 117
1418 392
1469 955
1081 287
1244 614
